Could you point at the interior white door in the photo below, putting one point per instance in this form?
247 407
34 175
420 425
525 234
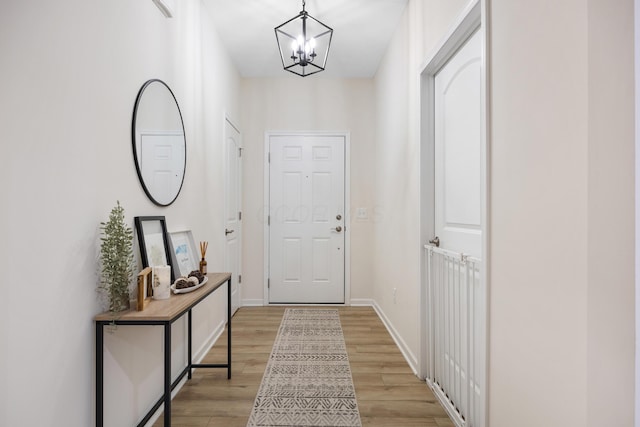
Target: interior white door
162 159
458 139
233 211
456 298
306 217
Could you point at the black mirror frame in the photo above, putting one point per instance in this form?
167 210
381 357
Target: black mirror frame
133 141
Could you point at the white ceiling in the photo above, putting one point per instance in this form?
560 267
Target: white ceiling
362 31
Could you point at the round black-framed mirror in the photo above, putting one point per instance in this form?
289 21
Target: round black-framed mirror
159 143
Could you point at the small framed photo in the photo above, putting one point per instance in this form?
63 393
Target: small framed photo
145 288
155 247
184 252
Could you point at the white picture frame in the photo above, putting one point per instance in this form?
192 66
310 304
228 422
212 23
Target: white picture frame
184 252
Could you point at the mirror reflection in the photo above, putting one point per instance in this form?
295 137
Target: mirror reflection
159 145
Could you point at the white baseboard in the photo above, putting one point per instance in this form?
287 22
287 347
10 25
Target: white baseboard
252 303
361 302
411 359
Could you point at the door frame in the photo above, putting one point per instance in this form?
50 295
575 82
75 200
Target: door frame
347 208
473 18
226 120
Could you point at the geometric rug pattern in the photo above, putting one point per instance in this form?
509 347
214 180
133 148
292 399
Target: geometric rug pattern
308 380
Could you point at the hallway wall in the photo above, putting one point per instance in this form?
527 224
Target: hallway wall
397 246
70 73
292 103
561 289
561 335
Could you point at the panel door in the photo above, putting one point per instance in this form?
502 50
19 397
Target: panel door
458 150
162 160
233 208
306 208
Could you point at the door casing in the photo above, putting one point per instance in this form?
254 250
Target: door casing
237 295
347 208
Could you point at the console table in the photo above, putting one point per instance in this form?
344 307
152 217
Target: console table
162 313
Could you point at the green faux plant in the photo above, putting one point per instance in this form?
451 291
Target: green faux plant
116 257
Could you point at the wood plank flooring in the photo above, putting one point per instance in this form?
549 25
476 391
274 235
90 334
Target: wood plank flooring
388 393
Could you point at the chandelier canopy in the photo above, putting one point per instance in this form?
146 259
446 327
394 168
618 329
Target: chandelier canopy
304 44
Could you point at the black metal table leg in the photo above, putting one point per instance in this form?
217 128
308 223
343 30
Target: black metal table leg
167 374
189 360
99 374
229 328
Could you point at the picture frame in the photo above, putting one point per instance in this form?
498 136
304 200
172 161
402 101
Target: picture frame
184 252
145 288
153 239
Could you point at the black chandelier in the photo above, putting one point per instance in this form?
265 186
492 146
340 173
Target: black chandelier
304 43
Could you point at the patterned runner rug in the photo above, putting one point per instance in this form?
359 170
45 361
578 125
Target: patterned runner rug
307 381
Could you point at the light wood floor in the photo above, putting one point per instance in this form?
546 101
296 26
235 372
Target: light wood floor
388 393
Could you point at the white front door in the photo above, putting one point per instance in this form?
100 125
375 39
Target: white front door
233 211
458 143
307 219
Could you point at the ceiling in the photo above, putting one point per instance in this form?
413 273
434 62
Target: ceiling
362 31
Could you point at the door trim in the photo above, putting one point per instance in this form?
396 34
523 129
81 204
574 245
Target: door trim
473 18
347 208
226 120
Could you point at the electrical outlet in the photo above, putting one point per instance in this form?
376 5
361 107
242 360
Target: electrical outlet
394 295
361 213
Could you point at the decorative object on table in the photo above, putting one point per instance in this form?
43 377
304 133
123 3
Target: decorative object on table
116 258
157 125
194 281
203 252
161 279
145 290
303 42
185 255
154 242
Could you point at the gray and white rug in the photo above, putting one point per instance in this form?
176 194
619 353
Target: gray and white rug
307 381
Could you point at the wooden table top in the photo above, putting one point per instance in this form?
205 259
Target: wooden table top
168 309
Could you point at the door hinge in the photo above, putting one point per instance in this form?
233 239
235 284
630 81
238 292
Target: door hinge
239 216
268 157
239 151
268 283
269 220
239 278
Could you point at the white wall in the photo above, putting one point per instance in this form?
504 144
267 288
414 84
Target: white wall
610 292
561 332
636 14
398 249
309 104
539 221
561 291
69 79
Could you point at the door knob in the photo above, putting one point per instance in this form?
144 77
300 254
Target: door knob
227 232
338 217
338 229
435 241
